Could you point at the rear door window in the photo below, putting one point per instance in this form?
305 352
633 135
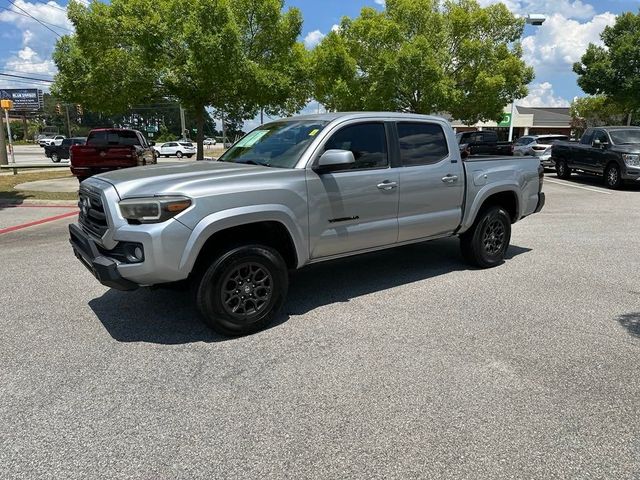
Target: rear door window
421 143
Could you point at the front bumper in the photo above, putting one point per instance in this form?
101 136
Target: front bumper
103 268
541 202
631 172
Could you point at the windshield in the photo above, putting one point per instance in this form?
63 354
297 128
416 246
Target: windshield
278 144
624 137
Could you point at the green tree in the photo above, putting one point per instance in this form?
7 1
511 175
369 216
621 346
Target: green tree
594 111
613 69
424 56
198 52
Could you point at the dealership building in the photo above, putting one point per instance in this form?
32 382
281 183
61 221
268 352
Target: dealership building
526 121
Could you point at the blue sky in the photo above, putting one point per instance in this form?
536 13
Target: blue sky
26 45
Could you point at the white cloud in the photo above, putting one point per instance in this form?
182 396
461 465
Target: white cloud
542 95
560 42
33 54
380 2
567 8
313 38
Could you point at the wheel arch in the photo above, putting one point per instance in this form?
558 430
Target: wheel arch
274 228
505 196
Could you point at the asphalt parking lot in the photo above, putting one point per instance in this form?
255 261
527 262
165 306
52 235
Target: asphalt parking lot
401 364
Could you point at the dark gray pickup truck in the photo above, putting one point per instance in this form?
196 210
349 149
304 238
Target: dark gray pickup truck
613 152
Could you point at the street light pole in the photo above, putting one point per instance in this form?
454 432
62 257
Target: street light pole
535 19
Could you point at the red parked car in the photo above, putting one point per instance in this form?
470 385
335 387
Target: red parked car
110 149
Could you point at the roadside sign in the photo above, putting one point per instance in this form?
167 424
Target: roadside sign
506 120
6 104
24 99
152 128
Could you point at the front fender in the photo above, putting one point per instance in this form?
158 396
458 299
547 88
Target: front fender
235 217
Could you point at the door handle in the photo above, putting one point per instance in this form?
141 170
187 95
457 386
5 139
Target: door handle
387 185
450 179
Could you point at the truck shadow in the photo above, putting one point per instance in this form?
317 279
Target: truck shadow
170 317
631 321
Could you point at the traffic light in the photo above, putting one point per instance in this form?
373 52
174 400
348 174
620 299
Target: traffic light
79 110
58 109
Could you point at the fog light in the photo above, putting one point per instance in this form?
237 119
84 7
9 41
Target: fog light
134 253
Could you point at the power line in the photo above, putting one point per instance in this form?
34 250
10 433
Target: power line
26 83
41 23
26 78
21 72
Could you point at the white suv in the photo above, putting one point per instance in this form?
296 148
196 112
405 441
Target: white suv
49 141
178 149
538 146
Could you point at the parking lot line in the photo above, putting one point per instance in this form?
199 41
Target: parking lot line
38 222
566 184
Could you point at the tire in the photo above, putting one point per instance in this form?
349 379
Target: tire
188 156
562 169
179 154
485 244
55 158
219 289
612 177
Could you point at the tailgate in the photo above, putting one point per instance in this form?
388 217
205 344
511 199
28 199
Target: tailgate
102 156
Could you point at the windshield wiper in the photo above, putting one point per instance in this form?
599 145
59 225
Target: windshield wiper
254 162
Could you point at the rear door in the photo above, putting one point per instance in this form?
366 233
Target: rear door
354 209
431 181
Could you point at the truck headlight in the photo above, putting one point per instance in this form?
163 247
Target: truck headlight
632 159
153 210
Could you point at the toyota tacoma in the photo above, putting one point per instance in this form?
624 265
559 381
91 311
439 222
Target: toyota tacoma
295 192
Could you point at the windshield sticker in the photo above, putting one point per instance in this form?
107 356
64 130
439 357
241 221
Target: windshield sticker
314 132
252 138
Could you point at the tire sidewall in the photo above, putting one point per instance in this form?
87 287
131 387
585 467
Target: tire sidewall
484 258
55 158
208 291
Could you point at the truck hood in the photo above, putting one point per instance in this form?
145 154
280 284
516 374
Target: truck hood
631 148
176 178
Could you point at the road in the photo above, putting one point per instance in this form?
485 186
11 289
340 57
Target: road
401 364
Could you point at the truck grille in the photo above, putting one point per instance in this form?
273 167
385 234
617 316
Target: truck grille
92 215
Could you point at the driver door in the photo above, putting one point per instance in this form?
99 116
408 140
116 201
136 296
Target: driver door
357 208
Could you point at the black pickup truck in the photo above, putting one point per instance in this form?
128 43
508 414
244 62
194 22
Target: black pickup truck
483 142
613 152
61 152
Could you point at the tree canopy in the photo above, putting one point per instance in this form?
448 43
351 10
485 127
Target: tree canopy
424 56
228 54
613 69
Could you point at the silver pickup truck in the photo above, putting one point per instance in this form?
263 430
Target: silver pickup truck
295 192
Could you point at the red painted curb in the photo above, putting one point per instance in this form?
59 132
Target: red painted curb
37 222
37 206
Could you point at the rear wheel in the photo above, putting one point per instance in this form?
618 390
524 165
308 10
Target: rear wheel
242 290
179 154
612 177
562 169
485 244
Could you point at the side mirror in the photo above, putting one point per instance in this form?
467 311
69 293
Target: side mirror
335 160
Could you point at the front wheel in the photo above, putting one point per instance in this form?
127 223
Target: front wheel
612 176
485 244
55 158
242 290
562 169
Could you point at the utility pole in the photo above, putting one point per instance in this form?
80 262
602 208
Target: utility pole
183 127
224 132
6 115
261 116
3 145
66 107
